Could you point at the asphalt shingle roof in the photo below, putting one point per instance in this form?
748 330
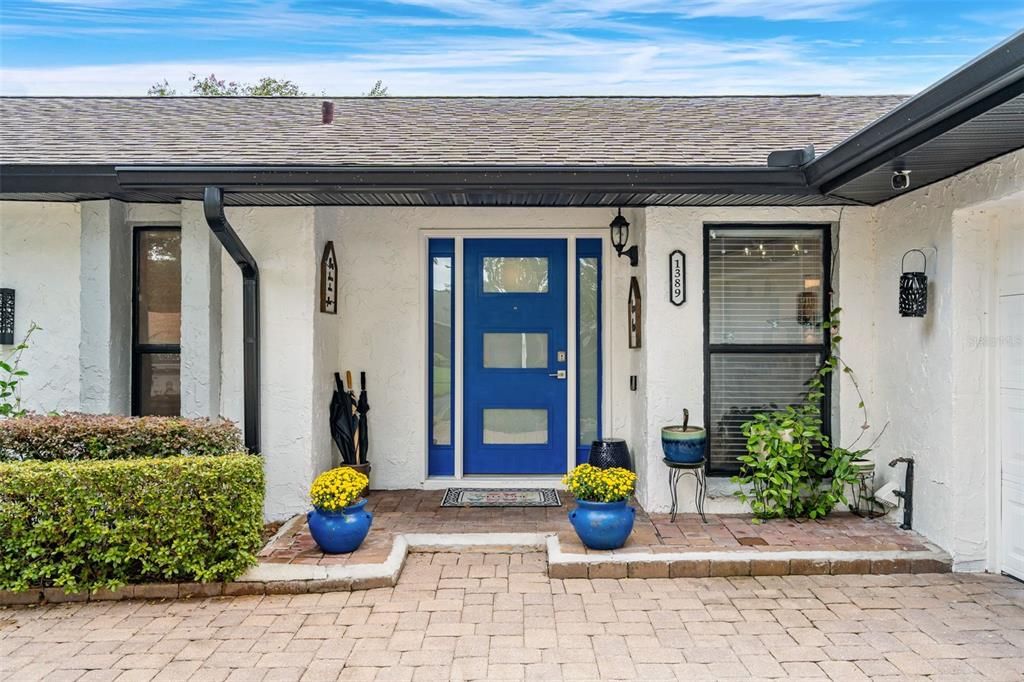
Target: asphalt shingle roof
399 131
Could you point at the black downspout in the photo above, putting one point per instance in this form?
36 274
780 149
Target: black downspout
213 208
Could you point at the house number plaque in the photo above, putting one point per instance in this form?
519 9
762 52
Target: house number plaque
677 277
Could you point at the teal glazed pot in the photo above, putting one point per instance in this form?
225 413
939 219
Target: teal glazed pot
342 531
603 525
684 444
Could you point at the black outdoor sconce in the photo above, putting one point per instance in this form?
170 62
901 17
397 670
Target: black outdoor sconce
6 317
913 288
620 237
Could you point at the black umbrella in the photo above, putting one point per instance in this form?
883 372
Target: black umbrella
363 406
341 421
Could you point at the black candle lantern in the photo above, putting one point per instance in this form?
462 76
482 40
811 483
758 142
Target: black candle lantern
620 237
913 288
6 316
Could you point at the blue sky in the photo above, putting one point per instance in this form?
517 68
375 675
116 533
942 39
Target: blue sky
489 47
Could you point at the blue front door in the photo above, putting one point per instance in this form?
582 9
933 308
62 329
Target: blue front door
515 356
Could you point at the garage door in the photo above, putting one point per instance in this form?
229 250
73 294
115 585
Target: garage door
1011 399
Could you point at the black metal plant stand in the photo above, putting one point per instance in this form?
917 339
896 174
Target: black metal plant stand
676 471
863 502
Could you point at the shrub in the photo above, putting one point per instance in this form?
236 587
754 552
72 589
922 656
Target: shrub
75 436
338 488
86 525
592 484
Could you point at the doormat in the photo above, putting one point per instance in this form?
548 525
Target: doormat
501 497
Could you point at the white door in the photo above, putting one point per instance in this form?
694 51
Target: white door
1011 399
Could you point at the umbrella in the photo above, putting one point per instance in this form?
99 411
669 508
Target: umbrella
363 406
341 421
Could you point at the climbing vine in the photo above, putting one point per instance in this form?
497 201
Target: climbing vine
11 376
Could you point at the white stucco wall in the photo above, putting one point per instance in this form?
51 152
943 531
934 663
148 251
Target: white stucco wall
932 375
201 313
282 242
106 295
39 259
673 353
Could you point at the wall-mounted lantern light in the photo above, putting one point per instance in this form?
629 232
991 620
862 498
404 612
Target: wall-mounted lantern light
620 237
6 317
913 288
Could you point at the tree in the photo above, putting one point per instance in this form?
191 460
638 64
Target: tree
378 90
211 86
161 90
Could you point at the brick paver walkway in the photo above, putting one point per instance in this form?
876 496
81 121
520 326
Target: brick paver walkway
419 511
498 616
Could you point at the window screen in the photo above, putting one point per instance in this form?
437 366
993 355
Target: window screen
764 305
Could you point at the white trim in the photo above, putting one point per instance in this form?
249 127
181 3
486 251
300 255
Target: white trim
426 268
510 481
571 393
607 339
458 321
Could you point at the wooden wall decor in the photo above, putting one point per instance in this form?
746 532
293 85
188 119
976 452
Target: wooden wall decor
329 280
635 314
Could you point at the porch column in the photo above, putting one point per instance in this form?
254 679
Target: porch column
106 303
200 314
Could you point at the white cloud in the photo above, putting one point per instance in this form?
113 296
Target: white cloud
540 65
441 47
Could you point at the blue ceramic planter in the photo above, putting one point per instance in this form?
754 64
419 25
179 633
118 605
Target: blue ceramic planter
603 525
683 444
340 532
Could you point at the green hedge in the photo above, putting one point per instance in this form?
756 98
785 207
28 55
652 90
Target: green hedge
75 436
85 525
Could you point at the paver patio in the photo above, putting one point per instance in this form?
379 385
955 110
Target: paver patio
419 511
498 616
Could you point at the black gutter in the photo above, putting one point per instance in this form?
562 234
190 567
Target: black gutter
717 179
986 82
213 208
63 178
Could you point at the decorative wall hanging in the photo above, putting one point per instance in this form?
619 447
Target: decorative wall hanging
677 277
913 288
329 280
635 314
7 316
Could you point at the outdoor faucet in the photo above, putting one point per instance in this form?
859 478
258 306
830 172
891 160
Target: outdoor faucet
907 494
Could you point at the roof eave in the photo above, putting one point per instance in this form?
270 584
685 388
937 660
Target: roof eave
383 179
988 81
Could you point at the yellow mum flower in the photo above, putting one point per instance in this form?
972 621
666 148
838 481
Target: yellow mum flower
589 483
338 488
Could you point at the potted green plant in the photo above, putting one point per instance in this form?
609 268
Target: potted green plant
602 519
791 468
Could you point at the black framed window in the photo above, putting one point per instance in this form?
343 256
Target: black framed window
156 321
764 302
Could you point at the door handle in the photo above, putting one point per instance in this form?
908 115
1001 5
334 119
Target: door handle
560 374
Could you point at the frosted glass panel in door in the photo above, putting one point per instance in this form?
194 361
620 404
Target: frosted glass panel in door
515 350
515 426
515 275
